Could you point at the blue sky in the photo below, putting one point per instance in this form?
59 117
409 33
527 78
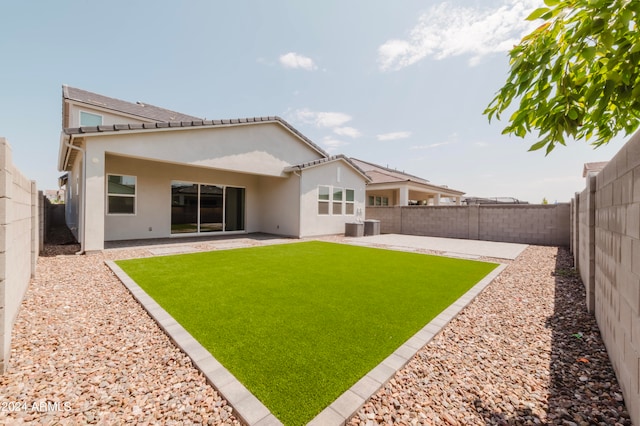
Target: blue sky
402 84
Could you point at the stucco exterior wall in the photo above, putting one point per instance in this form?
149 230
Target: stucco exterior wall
278 210
529 224
19 244
263 149
615 263
72 197
334 174
153 198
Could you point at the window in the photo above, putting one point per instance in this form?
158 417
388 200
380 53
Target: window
378 200
338 197
323 200
121 194
349 208
336 201
89 119
199 208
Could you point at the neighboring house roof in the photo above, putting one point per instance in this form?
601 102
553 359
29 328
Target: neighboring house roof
379 174
138 109
594 167
331 159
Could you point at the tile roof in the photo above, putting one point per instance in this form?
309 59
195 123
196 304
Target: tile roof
328 160
381 174
378 175
138 109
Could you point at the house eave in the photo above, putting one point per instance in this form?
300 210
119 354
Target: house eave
121 129
325 161
418 186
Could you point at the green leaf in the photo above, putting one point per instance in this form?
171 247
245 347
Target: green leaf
549 148
538 13
589 53
536 146
573 114
636 47
576 76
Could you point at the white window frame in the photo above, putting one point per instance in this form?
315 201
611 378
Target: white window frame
337 203
91 114
134 195
348 203
378 201
327 201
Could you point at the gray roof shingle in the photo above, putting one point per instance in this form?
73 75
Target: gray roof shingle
139 109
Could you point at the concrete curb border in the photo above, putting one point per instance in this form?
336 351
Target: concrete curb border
343 408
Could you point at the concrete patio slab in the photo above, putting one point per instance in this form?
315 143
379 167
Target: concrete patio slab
450 246
172 250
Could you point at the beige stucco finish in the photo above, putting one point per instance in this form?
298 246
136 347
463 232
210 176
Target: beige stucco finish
256 157
335 174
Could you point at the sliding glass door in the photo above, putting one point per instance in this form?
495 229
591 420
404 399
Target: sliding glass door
234 209
184 207
198 208
211 216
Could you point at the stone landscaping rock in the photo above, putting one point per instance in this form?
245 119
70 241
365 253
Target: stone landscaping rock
524 352
83 344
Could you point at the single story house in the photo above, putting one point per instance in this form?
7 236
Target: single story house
136 171
390 187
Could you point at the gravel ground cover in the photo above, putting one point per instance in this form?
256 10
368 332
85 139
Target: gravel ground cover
85 352
525 352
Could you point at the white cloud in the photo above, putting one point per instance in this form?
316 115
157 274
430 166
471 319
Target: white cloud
295 60
320 119
347 131
331 144
448 30
393 136
481 144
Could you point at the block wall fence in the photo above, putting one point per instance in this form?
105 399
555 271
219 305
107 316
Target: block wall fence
606 250
514 223
19 244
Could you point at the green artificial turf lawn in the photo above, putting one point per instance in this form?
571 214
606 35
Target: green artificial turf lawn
300 323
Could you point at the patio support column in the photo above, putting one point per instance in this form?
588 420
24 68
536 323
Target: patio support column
95 200
436 199
458 201
404 196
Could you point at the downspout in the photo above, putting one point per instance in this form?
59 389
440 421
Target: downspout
81 218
